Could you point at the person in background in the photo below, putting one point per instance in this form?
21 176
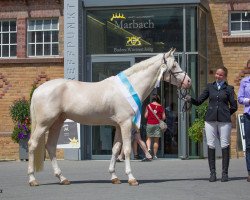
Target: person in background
171 123
136 137
244 98
153 129
222 105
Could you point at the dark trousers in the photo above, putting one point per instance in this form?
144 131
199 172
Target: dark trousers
247 139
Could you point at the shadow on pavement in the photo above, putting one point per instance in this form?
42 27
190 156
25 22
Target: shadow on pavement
145 181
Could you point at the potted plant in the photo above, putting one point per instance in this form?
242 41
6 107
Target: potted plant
197 134
20 114
196 130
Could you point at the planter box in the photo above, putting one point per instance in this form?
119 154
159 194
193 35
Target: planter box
23 150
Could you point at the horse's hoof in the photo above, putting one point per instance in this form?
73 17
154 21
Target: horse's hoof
116 181
33 183
65 182
133 182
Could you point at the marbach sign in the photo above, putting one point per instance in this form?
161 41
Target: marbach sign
120 21
134 24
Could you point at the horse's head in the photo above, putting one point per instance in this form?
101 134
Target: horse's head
174 74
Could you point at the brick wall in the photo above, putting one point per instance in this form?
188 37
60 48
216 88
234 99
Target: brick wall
233 53
19 80
8 149
225 50
17 75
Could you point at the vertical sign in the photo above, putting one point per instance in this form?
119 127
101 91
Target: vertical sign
71 37
73 12
242 131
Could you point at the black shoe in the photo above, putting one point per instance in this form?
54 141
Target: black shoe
224 178
146 160
248 178
136 157
212 177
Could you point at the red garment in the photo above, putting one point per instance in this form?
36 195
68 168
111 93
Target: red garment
158 110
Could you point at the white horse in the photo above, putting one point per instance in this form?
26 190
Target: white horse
100 103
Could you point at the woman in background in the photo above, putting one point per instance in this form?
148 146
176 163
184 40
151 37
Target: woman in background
244 98
153 129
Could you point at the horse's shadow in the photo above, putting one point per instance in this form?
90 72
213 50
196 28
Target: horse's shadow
145 181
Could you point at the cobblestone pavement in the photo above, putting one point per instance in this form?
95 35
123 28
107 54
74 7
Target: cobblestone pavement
168 179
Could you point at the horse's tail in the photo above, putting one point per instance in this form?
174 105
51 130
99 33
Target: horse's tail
39 152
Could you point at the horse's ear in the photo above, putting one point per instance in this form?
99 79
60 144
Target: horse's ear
172 51
168 53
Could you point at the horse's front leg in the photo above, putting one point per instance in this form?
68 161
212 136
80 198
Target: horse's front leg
126 138
115 151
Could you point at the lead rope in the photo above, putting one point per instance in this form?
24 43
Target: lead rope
182 93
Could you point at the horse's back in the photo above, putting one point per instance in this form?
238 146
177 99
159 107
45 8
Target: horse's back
69 90
55 83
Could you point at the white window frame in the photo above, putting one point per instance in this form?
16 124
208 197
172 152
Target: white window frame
9 32
42 30
238 32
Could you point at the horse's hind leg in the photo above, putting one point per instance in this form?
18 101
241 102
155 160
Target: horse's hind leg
53 136
115 151
36 146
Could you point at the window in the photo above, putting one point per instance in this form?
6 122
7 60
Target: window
8 39
134 30
240 23
43 37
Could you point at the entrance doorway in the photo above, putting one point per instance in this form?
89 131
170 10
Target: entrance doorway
103 66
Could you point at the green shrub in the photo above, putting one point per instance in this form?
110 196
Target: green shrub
195 131
20 110
20 114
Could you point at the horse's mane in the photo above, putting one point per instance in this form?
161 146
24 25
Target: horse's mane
142 65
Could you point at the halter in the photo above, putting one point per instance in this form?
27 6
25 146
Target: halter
182 92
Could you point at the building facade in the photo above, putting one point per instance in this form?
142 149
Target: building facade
90 40
31 53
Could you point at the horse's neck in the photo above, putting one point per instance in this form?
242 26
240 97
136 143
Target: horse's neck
144 80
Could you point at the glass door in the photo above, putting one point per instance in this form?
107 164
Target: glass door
174 142
103 67
169 141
